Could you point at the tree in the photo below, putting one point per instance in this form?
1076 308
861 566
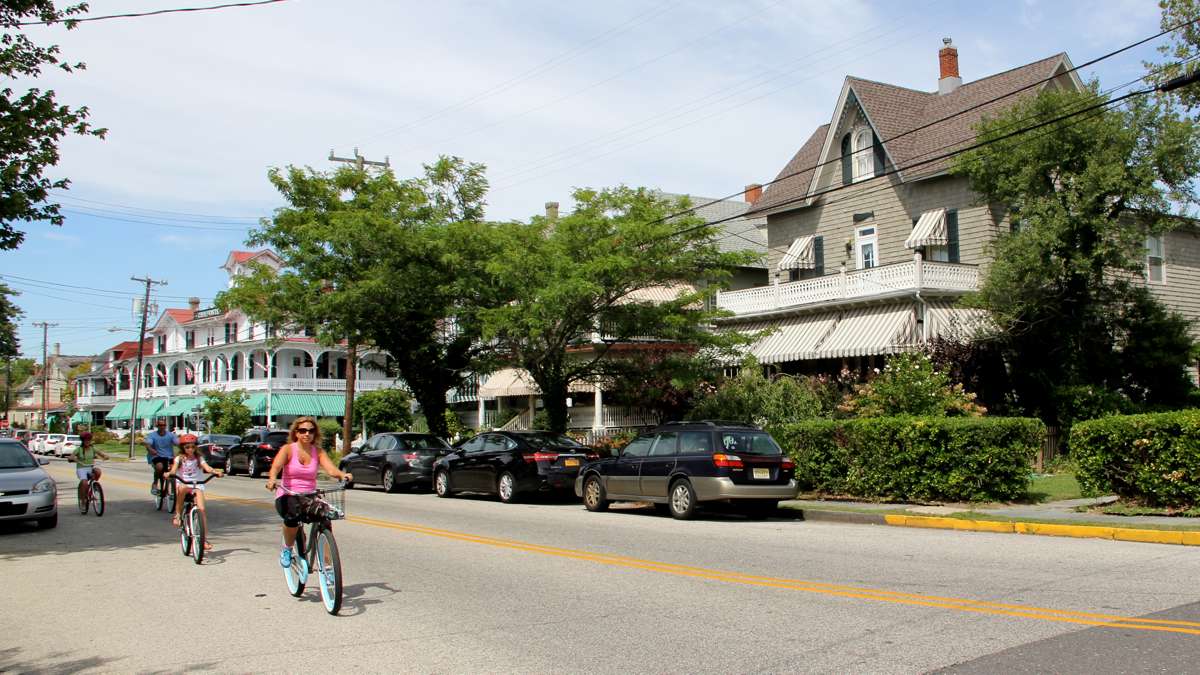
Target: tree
383 410
663 379
226 412
584 286
1066 285
1180 49
32 122
10 344
68 395
754 398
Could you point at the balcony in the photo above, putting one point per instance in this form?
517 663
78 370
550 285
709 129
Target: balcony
87 400
886 281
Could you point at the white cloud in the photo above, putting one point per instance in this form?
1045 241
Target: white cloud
62 238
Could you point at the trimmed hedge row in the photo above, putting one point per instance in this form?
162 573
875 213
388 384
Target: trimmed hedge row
1153 458
915 458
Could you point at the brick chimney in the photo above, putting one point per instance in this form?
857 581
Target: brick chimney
948 60
753 193
194 304
552 211
58 349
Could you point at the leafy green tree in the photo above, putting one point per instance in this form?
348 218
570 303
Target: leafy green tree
1065 287
1180 48
32 121
663 380
383 410
752 397
226 412
68 395
575 283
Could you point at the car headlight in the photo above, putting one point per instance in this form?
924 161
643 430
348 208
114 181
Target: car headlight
44 485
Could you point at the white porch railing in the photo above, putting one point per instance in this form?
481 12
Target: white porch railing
257 385
84 401
859 284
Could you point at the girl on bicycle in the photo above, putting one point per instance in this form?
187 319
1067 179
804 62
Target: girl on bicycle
85 461
298 462
190 466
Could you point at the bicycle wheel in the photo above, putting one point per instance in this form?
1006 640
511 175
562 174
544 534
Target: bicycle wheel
296 574
81 496
161 497
185 537
329 571
97 499
171 496
197 530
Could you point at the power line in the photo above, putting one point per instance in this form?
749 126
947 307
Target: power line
208 216
101 290
131 15
213 228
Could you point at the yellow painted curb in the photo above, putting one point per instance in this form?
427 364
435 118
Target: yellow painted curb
1049 529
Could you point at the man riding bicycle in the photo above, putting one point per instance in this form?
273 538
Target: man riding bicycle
160 451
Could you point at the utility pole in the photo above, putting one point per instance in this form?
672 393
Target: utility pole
137 374
8 391
45 369
360 163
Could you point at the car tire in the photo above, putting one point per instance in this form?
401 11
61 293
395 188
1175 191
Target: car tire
593 494
388 479
253 468
681 499
506 487
229 466
48 523
441 483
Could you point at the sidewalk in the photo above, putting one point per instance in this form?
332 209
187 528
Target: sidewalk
1052 518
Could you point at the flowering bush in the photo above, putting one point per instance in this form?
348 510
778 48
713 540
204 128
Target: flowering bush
1152 459
755 398
910 385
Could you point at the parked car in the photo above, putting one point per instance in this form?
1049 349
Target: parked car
27 492
395 460
215 448
69 445
254 454
22 435
685 464
37 443
510 463
51 443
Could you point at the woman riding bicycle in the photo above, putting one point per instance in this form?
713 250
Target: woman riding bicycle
190 466
298 462
85 461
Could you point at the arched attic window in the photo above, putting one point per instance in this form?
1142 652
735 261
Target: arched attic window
862 155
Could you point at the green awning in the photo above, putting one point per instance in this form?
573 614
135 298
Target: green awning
180 406
257 403
149 409
80 417
120 411
316 405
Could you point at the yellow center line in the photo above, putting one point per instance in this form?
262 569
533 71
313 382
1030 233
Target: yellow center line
838 590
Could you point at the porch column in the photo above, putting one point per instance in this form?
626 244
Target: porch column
270 367
919 262
598 413
482 406
532 409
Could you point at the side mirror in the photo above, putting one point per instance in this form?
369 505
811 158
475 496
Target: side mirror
43 460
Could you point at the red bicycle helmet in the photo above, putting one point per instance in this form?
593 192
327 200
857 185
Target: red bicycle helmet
187 438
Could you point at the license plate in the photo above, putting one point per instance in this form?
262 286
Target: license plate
571 462
762 474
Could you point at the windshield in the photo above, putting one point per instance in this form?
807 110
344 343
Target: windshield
72 439
54 438
277 438
222 439
13 456
750 443
424 441
546 440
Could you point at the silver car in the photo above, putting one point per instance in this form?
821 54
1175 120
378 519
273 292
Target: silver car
27 492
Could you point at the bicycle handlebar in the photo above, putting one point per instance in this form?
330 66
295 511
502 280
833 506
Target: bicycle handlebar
196 482
341 484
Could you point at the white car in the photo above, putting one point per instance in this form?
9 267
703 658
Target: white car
50 445
38 443
68 446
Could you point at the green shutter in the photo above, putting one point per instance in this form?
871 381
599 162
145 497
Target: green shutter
819 256
952 234
879 156
847 170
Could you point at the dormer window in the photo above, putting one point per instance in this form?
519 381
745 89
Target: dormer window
861 158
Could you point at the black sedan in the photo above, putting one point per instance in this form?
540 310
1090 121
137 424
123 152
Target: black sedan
395 460
254 454
215 448
510 463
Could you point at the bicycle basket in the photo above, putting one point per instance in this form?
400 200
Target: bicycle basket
333 501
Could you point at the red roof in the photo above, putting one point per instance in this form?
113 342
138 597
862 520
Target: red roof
180 316
243 256
129 349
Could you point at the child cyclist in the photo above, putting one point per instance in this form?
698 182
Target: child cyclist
190 466
85 461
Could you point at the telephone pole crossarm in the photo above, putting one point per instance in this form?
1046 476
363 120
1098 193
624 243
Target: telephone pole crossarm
137 374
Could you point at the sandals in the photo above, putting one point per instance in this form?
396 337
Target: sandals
207 545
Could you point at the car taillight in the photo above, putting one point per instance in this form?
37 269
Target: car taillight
265 446
729 461
540 456
593 455
412 457
787 463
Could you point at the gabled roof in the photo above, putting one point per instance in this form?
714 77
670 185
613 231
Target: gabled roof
179 316
894 110
240 257
129 349
738 232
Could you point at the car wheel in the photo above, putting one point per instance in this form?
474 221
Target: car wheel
229 465
441 483
682 500
48 523
388 479
593 494
253 469
506 487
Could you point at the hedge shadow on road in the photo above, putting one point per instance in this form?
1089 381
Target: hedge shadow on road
57 662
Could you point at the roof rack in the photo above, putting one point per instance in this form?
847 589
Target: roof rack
710 423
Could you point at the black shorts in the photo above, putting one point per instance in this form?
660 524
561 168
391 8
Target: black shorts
290 508
166 463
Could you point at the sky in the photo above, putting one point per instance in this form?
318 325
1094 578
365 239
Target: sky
699 97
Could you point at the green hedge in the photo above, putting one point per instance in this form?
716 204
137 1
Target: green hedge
1152 458
915 458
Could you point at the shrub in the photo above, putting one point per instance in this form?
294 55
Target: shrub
1153 459
330 428
102 435
754 398
383 410
910 385
915 458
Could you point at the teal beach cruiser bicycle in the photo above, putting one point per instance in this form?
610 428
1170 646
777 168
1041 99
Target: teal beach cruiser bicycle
318 552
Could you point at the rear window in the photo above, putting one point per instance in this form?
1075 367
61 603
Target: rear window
418 442
72 439
223 439
540 441
749 443
277 438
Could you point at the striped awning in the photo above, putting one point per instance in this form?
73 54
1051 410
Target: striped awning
517 382
120 411
656 295
943 319
793 339
257 403
930 230
149 408
181 406
81 417
799 255
871 330
316 405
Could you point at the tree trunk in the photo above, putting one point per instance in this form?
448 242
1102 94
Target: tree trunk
351 371
554 398
432 399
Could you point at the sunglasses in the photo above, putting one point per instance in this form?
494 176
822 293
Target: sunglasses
306 430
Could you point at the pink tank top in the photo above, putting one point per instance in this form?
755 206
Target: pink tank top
299 477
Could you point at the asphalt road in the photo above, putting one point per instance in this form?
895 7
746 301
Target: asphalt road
472 585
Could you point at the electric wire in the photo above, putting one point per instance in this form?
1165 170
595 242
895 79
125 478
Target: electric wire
133 15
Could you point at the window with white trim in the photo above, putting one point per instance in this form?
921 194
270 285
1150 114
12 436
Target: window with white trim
1156 262
866 247
863 144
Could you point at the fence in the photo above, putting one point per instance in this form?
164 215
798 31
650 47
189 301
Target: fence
1050 450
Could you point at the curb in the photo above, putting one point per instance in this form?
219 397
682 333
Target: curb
1177 537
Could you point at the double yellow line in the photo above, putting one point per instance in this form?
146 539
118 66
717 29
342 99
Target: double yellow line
895 597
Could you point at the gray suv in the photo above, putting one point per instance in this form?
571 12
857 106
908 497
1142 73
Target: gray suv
683 464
